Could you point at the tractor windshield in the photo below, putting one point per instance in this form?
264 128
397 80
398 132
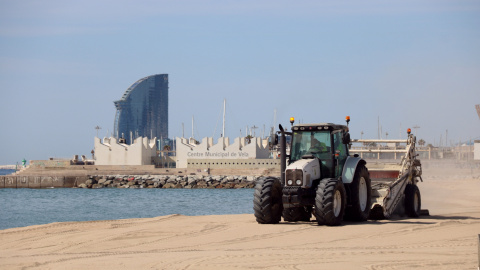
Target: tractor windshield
316 143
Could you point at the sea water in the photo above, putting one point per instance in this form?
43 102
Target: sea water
25 207
6 171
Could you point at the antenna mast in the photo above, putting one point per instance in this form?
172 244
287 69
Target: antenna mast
224 105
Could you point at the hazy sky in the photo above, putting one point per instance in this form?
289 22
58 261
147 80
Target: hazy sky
407 63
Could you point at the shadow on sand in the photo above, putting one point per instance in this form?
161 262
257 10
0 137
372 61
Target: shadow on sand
422 220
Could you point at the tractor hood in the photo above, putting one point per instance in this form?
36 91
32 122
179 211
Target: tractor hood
305 170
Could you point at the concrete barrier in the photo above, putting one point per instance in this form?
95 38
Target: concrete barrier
34 182
10 182
74 181
58 182
22 181
2 181
46 182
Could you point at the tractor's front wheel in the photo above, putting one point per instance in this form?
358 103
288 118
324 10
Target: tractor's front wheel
267 200
330 202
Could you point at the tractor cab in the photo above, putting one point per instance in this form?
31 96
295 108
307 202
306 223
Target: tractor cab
326 142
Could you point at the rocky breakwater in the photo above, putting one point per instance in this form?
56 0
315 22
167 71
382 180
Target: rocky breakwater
168 181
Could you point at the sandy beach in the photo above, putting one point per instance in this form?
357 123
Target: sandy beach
447 239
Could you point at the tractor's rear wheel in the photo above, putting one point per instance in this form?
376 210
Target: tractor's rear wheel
267 200
297 214
360 196
330 202
413 201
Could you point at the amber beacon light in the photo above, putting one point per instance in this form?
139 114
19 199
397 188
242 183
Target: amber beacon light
292 120
409 131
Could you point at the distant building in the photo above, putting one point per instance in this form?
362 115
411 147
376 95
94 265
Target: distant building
241 154
143 110
110 152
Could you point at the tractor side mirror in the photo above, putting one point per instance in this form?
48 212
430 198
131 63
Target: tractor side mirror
346 138
274 139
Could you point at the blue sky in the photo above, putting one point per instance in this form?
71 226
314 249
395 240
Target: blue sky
407 63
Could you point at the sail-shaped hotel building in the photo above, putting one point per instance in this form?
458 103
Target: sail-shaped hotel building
143 110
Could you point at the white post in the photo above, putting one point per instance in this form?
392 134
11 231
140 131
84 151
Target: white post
192 128
224 106
479 252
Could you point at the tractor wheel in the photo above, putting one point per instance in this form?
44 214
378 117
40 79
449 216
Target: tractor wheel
413 201
267 200
297 214
330 202
360 196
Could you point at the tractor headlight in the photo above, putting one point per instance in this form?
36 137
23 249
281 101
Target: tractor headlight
298 182
290 182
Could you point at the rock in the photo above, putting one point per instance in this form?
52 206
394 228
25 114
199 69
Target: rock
131 183
183 183
250 185
226 180
218 178
214 183
169 185
240 185
97 186
82 185
178 185
172 180
191 181
102 180
230 185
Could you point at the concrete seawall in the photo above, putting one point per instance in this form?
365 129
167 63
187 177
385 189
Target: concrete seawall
41 181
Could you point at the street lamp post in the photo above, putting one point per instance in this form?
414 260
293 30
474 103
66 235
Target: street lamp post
97 128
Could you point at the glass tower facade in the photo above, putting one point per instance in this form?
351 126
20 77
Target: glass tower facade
143 109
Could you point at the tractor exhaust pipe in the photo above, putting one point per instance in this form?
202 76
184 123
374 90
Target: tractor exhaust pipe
283 154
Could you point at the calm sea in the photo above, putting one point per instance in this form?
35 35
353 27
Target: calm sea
5 172
25 207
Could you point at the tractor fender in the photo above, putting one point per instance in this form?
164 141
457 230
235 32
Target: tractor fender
350 167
